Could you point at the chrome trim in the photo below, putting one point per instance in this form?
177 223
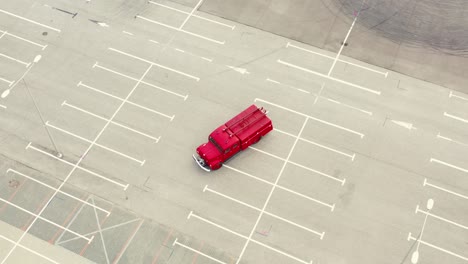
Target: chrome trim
197 159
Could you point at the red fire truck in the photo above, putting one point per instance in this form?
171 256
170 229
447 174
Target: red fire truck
237 134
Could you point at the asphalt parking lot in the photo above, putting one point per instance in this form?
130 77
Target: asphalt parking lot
104 102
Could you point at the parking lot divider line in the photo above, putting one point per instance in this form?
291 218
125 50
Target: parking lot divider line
455 117
444 190
441 218
62 192
329 77
312 118
45 220
449 165
59 240
78 167
198 252
29 20
43 47
155 64
129 240
181 30
437 247
30 250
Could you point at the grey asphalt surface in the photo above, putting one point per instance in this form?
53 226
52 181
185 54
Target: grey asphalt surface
422 39
128 90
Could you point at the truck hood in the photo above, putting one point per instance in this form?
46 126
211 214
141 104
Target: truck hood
208 151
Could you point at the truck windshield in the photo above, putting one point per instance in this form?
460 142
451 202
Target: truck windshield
216 144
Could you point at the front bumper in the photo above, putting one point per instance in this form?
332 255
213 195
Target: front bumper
201 162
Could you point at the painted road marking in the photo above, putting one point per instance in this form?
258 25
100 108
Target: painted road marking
23 39
190 14
187 13
72 221
124 186
181 30
247 238
155 64
48 221
319 145
75 166
100 233
141 162
342 181
271 193
320 234
26 64
185 52
30 250
119 98
197 251
349 106
62 192
97 231
29 20
451 94
96 65
128 33
455 117
436 247
156 139
329 77
444 190
287 86
7 81
406 125
2 106
448 165
124 248
440 218
311 117
452 140
340 60
331 206
342 45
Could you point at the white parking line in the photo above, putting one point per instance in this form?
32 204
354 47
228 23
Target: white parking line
62 192
29 20
184 51
2 106
448 165
71 222
23 39
444 190
7 81
349 106
329 77
451 94
103 242
271 192
128 33
319 145
121 99
331 206
155 64
181 30
455 117
30 250
26 64
141 162
344 61
320 234
96 65
156 139
452 140
187 13
436 247
301 166
440 218
124 186
48 221
286 85
190 14
197 251
104 229
342 45
247 238
311 117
